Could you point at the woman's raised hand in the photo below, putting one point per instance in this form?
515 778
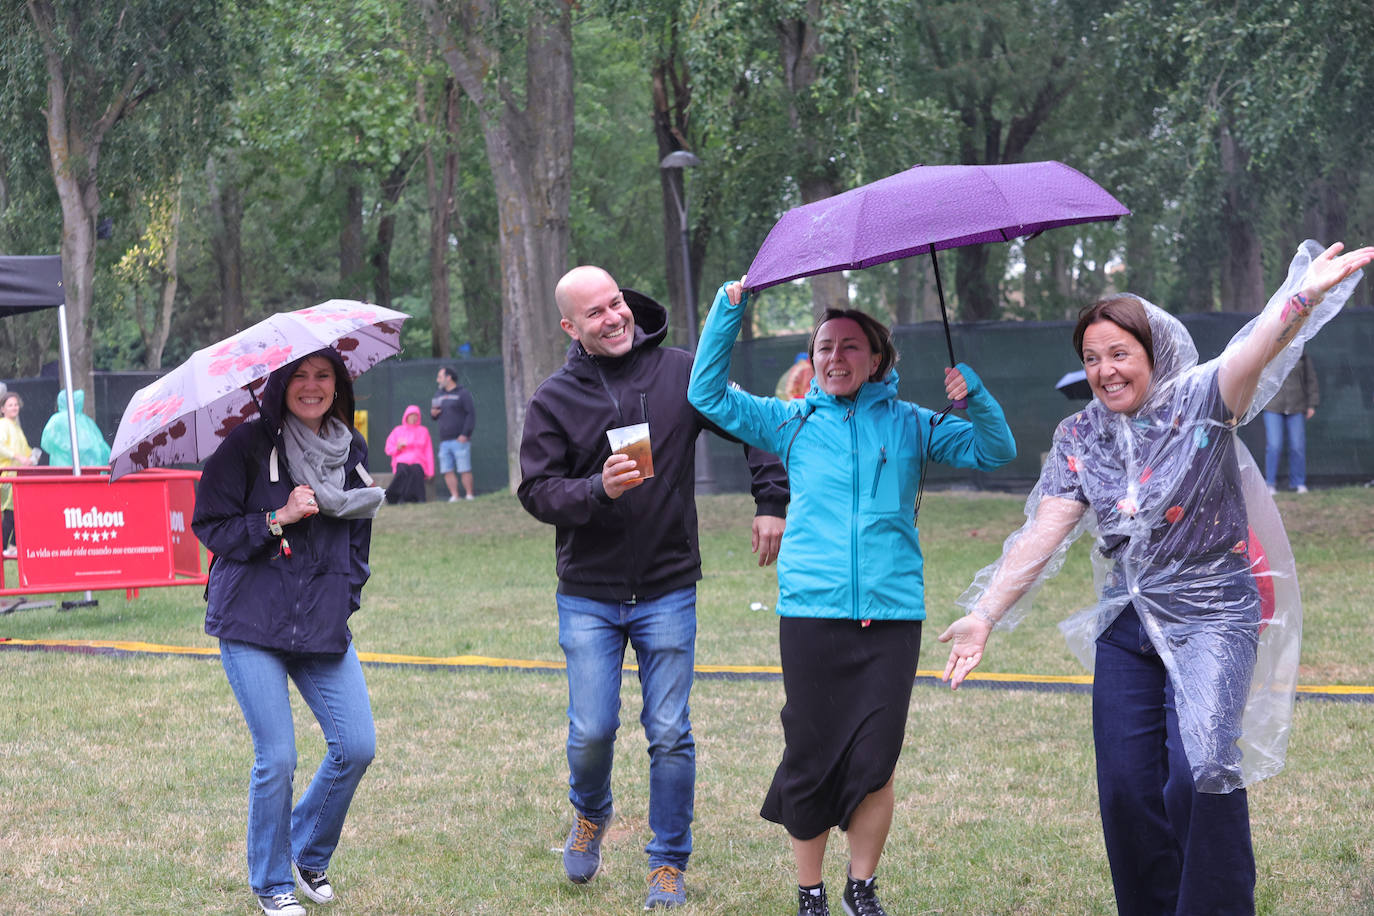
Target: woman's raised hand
1331 267
735 291
956 386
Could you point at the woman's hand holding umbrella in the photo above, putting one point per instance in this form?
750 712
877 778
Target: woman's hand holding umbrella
956 387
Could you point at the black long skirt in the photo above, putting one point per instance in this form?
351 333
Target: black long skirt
848 692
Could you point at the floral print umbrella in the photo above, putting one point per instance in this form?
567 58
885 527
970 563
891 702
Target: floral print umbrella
183 416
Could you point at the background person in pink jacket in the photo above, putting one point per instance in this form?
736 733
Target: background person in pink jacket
412 458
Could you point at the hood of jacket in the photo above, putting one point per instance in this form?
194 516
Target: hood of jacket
272 401
78 397
410 411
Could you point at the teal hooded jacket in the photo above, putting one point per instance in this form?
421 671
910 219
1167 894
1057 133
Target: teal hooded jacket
851 548
57 436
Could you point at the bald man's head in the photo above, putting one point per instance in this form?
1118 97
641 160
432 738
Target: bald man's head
594 312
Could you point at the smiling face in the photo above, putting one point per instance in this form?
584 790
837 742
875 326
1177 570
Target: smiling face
1117 366
10 409
595 313
843 357
310 391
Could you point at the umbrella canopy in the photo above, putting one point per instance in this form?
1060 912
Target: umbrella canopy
183 416
1074 386
927 208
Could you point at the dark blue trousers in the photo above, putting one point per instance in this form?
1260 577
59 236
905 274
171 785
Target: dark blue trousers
1173 851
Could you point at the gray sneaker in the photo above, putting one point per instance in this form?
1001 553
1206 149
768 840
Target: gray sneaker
582 851
666 888
281 905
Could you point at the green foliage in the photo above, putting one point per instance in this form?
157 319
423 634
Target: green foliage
282 94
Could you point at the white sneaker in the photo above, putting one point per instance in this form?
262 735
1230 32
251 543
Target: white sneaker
1273 491
469 496
1300 489
453 499
11 553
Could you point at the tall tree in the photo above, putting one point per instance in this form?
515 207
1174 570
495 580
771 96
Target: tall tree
150 265
441 179
526 114
103 63
1004 69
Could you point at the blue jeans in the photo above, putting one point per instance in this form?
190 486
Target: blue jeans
1276 425
1172 849
593 635
333 687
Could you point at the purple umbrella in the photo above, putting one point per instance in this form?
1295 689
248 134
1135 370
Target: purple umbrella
185 415
925 209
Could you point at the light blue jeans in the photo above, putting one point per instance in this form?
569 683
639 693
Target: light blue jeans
455 456
333 687
1294 425
593 635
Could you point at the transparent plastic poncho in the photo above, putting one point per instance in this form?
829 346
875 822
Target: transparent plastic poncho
1187 532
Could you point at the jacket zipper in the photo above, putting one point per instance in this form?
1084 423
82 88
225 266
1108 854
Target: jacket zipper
854 514
878 474
624 513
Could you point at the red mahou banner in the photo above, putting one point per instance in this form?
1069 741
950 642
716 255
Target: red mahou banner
85 533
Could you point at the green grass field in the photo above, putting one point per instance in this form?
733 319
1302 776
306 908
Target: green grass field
125 775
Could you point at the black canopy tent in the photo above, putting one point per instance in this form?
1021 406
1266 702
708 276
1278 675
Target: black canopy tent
30 283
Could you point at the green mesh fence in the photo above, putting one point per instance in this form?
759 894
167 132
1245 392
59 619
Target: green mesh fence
1020 362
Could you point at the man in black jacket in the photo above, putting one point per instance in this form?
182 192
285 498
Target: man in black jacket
627 556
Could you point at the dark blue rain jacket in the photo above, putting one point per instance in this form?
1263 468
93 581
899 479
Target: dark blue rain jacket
257 593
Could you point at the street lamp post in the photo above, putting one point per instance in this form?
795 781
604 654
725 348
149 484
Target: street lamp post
681 160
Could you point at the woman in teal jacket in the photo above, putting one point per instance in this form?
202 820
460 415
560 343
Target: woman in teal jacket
851 597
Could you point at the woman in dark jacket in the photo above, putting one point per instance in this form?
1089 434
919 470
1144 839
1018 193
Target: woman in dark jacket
285 507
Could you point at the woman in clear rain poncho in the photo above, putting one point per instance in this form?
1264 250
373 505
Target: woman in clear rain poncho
1194 640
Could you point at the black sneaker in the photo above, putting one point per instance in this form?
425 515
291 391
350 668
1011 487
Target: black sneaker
582 851
861 898
314 884
809 904
281 905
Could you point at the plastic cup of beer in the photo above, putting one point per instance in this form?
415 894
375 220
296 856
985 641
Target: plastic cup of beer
633 443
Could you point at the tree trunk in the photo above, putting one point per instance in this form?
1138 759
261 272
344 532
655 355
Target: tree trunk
351 279
1242 275
977 291
393 186
529 150
799 46
73 155
441 178
226 235
1326 216
162 323
671 99
1140 256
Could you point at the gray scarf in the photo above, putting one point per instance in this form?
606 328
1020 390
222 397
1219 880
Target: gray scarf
317 461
